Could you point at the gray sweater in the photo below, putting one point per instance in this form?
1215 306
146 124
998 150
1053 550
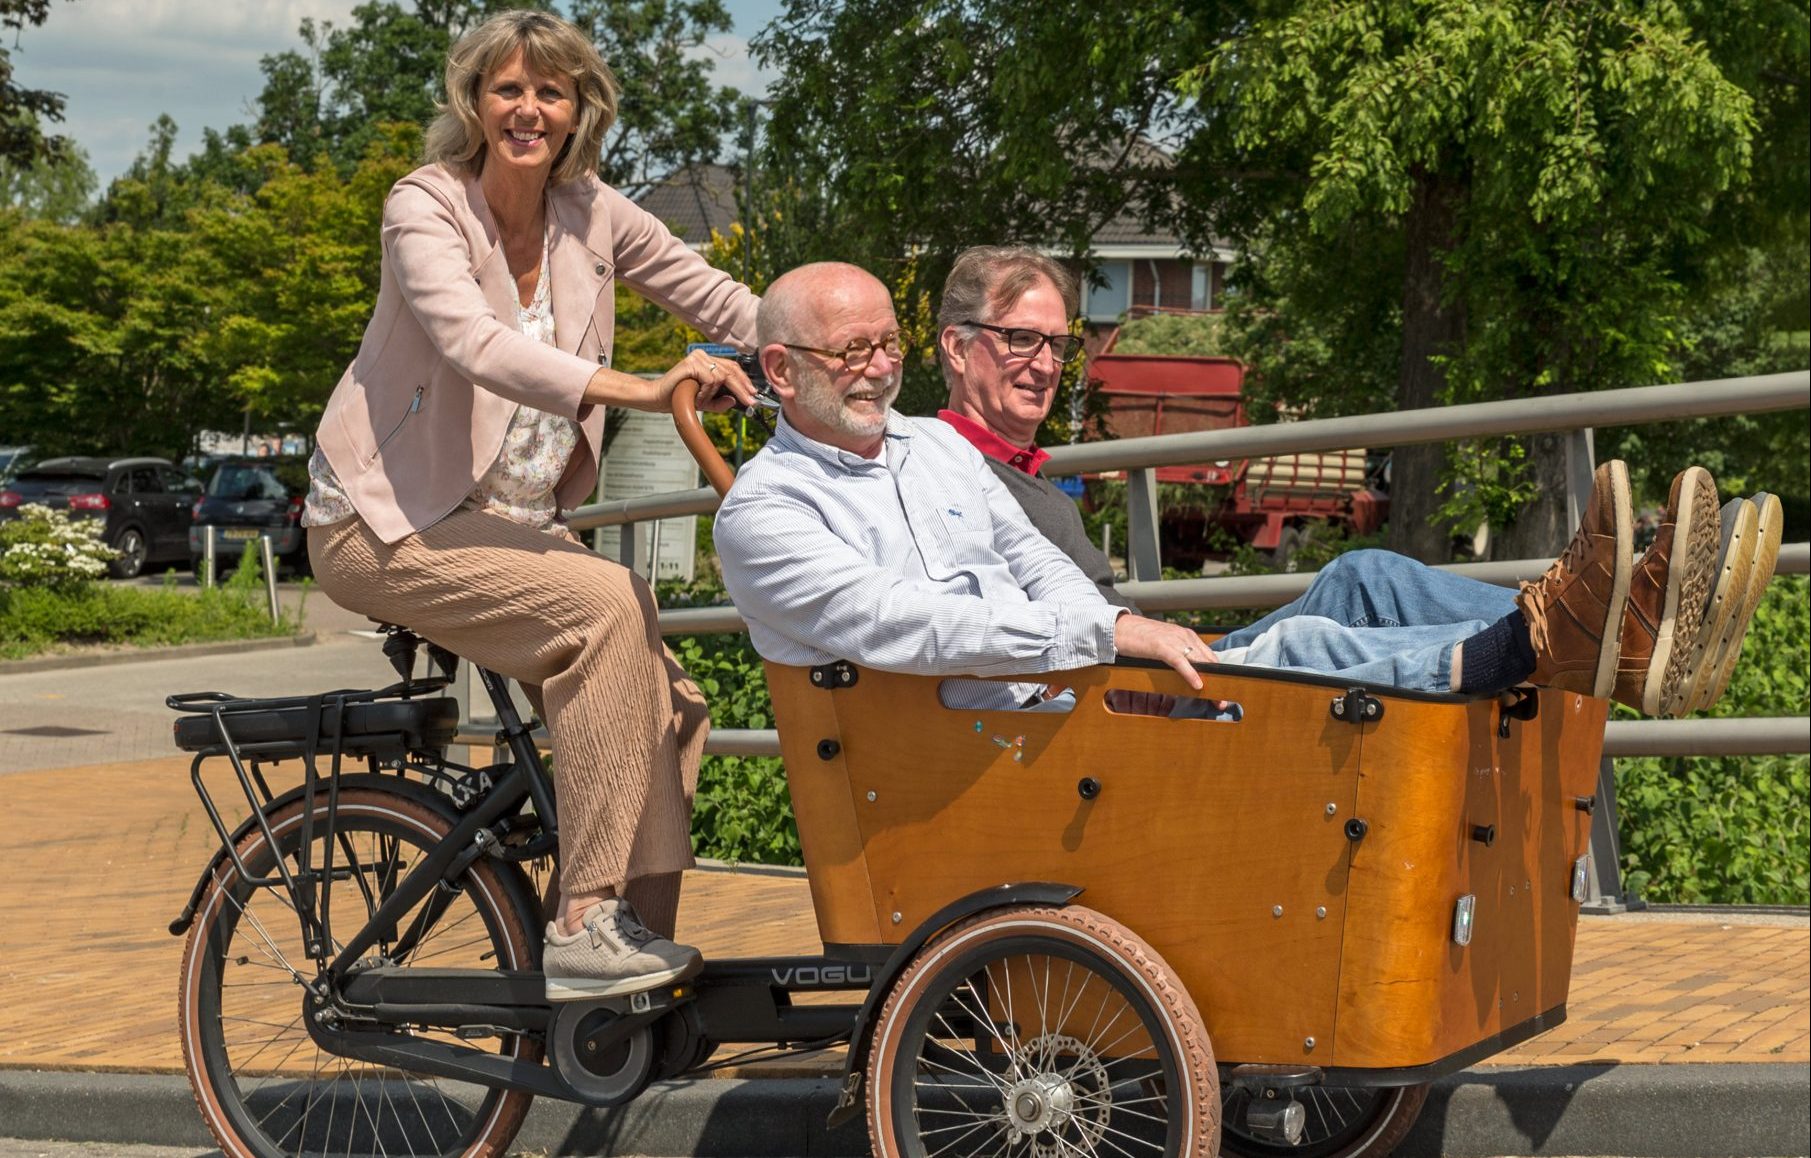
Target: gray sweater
1053 513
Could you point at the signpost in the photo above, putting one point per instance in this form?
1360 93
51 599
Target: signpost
647 458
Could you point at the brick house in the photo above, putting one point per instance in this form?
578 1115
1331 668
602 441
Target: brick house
1149 272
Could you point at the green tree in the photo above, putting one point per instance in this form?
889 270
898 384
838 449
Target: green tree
1542 180
302 255
904 131
333 97
52 188
102 338
23 111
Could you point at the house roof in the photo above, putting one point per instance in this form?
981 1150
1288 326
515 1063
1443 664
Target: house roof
694 200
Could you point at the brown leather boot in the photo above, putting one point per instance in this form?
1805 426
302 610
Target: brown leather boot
1769 522
1668 596
1739 523
1575 610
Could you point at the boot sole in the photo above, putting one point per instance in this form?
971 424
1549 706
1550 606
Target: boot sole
1697 537
1610 653
588 988
1770 525
1735 563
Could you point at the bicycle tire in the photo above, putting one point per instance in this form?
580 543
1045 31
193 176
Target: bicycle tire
1061 1071
261 1083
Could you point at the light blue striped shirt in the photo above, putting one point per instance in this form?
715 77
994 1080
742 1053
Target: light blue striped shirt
917 561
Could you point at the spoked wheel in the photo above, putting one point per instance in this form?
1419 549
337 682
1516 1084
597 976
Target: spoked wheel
1041 1033
264 1087
1342 1122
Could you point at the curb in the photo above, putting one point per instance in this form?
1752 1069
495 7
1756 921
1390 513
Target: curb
143 654
1636 1111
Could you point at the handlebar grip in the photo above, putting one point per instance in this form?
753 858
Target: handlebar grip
684 404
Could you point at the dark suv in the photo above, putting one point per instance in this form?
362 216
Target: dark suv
146 503
247 498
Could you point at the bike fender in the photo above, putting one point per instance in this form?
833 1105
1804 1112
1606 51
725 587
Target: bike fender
848 1102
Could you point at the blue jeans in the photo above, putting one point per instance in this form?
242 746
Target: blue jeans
1373 617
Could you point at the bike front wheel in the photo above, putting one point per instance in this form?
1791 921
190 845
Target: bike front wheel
265 1088
1041 1033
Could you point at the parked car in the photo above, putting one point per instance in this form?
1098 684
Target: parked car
249 498
145 502
14 459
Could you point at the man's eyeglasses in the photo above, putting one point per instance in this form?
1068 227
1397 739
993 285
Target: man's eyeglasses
1026 343
857 354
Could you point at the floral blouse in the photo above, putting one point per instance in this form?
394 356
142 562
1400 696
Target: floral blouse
520 484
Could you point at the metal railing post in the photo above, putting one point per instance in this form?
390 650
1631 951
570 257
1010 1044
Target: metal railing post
1603 888
1144 558
206 578
1581 454
625 546
269 558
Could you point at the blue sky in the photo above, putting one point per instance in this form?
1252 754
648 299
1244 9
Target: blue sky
122 62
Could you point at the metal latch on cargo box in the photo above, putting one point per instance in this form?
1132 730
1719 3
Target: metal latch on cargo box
1526 706
1355 707
831 676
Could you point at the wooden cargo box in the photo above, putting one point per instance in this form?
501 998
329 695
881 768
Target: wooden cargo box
1299 872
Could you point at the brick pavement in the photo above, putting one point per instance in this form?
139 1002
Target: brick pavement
100 858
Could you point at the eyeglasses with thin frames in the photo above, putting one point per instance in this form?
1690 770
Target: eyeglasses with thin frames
857 354
1022 343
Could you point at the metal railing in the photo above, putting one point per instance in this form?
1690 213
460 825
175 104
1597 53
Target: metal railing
1576 413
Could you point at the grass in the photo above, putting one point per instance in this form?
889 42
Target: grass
39 621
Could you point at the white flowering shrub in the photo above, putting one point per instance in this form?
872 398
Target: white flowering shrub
46 548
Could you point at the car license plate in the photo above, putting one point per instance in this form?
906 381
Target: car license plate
239 533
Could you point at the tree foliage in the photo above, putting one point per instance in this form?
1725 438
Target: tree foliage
331 98
1437 201
904 131
1538 185
51 188
23 111
232 287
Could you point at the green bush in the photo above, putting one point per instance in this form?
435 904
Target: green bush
1730 830
742 811
38 619
47 549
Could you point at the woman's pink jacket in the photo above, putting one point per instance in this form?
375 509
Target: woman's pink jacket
421 413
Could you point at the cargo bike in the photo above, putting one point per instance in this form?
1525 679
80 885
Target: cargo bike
1044 934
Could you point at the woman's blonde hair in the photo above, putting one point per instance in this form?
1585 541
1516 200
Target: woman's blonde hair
549 45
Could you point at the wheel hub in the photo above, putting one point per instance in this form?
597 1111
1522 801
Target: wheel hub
1064 1099
1042 1103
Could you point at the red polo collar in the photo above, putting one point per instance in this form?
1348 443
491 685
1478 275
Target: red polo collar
1025 458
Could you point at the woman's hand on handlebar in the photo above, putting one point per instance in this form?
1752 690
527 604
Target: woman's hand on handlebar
1182 649
721 383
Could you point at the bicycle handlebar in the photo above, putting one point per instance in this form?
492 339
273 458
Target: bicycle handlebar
683 402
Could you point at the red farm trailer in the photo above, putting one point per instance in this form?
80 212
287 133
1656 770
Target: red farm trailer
1266 502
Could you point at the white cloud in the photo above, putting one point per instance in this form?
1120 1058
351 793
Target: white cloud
123 62
732 66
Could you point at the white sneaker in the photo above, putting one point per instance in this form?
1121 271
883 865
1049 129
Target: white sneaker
613 952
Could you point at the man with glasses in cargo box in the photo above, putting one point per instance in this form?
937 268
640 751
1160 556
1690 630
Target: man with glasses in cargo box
1005 337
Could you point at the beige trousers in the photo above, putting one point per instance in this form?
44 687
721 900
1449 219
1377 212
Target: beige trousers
579 633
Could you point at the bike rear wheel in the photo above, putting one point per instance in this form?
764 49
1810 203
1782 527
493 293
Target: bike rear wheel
265 1088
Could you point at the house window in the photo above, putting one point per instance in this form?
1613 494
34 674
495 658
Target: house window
1106 302
1201 288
